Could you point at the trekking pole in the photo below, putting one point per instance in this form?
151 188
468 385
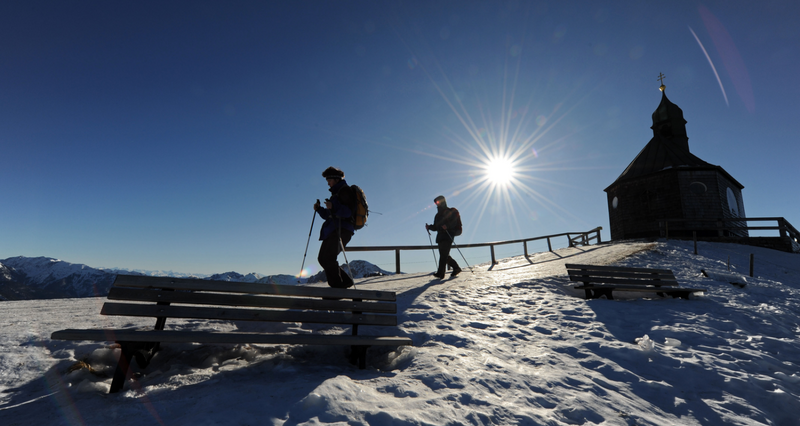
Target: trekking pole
435 262
308 241
459 251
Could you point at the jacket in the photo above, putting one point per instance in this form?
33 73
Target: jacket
341 212
446 216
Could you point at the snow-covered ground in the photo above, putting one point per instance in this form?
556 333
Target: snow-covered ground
510 344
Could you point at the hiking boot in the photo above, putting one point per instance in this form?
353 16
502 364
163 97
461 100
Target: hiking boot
456 271
441 277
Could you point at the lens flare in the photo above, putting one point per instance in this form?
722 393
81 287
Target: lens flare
492 135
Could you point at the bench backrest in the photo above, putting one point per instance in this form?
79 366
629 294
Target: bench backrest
238 301
620 275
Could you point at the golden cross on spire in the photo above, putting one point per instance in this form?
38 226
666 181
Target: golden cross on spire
661 78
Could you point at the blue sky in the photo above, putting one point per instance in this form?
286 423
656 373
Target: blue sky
191 136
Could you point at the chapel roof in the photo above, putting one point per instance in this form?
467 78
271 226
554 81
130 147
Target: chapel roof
667 149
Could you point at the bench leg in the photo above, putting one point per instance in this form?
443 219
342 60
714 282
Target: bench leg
355 326
598 292
142 352
681 294
606 292
358 355
123 368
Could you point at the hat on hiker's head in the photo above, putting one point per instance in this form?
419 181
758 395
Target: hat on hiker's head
333 173
440 201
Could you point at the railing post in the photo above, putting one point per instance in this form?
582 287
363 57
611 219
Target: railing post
598 235
397 261
569 237
782 229
549 247
525 248
494 262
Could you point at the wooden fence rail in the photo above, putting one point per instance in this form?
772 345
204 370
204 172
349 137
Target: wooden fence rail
784 228
734 226
573 238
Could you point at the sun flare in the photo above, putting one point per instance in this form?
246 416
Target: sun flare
500 171
499 145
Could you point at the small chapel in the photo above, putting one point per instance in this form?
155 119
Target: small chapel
668 191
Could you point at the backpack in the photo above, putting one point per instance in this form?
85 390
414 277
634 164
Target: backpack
361 210
355 199
455 222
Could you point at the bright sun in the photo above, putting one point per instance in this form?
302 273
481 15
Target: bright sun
500 171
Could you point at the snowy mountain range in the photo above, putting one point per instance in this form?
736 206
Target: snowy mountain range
24 278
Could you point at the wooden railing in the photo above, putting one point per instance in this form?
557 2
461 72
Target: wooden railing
729 227
573 238
784 228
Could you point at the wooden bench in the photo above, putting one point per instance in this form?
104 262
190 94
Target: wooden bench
603 280
165 297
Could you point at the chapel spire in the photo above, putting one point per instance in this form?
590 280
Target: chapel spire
668 123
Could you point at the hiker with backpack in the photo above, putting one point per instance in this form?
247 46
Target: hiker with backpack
338 228
447 225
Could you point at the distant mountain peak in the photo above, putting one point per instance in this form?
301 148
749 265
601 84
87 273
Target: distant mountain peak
48 278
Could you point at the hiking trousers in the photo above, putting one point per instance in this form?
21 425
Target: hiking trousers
328 259
444 257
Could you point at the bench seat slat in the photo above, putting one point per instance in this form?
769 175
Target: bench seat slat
253 288
622 274
154 295
615 268
641 288
608 280
128 335
239 314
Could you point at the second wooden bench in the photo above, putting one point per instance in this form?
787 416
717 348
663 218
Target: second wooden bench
603 280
